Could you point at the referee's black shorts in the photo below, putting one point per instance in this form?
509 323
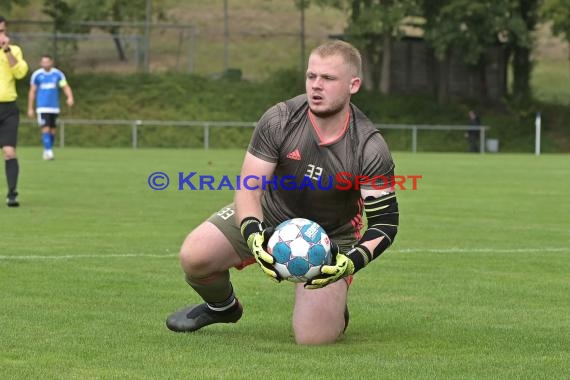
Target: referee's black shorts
9 120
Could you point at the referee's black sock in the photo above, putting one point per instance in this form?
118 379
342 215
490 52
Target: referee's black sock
12 171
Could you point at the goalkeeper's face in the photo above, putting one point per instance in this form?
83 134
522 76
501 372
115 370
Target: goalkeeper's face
330 82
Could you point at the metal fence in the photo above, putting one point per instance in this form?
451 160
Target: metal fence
103 51
206 126
222 46
415 128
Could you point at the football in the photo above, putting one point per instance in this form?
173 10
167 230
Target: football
300 248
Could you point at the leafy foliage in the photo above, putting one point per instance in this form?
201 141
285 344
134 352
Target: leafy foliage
67 13
7 4
558 11
371 27
186 97
116 10
466 27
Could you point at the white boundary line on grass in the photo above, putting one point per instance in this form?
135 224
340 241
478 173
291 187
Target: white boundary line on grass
171 256
74 257
480 250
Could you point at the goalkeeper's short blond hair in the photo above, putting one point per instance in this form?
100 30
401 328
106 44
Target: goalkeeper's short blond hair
349 53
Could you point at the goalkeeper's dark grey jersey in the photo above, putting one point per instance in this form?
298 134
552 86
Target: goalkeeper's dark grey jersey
307 171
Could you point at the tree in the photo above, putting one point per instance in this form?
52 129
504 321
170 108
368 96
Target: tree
106 11
114 11
467 29
372 26
61 13
558 11
525 16
470 28
7 4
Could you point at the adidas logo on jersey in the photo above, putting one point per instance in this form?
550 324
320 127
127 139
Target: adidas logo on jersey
295 155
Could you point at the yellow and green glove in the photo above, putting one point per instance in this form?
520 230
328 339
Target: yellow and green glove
341 266
257 234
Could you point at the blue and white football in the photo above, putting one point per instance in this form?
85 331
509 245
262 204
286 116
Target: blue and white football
300 248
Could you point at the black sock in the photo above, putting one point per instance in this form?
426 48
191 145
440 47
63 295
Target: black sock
12 171
215 289
226 306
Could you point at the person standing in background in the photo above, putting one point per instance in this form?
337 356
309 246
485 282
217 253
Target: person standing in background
472 134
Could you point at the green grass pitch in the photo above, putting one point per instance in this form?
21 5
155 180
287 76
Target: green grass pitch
477 285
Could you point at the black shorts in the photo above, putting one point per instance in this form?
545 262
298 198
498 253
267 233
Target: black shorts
47 119
9 121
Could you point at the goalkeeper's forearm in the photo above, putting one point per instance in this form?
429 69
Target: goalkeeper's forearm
383 217
248 204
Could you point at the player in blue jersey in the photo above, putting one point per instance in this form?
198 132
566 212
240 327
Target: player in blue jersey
44 91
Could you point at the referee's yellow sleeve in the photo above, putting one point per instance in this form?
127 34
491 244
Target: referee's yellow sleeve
20 69
8 75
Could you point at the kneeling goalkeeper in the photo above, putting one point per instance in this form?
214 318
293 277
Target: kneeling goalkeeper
317 134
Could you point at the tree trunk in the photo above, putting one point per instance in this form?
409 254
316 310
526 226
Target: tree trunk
367 71
522 68
374 57
386 66
443 81
483 85
433 71
355 10
522 65
120 49
118 44
505 70
371 64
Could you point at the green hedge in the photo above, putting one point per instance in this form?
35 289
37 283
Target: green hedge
187 97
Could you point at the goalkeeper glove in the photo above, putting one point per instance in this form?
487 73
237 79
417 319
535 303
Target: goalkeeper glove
256 234
342 266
